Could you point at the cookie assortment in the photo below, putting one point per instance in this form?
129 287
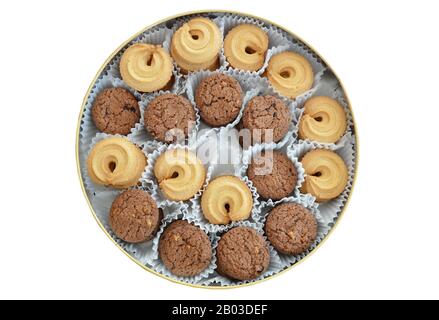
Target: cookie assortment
177 88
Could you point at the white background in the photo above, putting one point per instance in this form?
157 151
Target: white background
385 52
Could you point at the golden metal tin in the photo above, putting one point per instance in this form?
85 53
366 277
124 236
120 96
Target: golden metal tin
79 168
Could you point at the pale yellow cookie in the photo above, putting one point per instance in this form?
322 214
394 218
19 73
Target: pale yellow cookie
245 47
180 174
226 199
326 174
196 45
146 67
290 74
323 120
116 162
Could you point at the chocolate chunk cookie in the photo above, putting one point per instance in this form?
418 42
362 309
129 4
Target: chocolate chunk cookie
169 117
266 113
219 98
291 228
242 254
185 249
134 216
115 111
273 175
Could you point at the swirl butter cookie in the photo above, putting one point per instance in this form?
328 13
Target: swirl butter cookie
290 74
226 199
180 174
326 174
116 162
196 45
245 47
323 120
146 67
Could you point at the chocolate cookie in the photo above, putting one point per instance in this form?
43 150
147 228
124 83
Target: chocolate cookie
169 117
134 216
273 175
115 111
291 228
219 98
266 113
185 249
242 254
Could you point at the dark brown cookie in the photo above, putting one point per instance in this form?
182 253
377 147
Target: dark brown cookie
291 228
219 98
185 249
242 254
115 111
166 113
266 113
134 216
273 175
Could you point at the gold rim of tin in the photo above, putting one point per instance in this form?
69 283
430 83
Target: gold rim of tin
78 166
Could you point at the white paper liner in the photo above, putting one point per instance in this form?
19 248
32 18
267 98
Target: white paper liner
148 178
345 148
250 153
249 92
341 98
158 266
274 266
139 133
143 252
197 213
329 88
307 202
275 38
93 188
